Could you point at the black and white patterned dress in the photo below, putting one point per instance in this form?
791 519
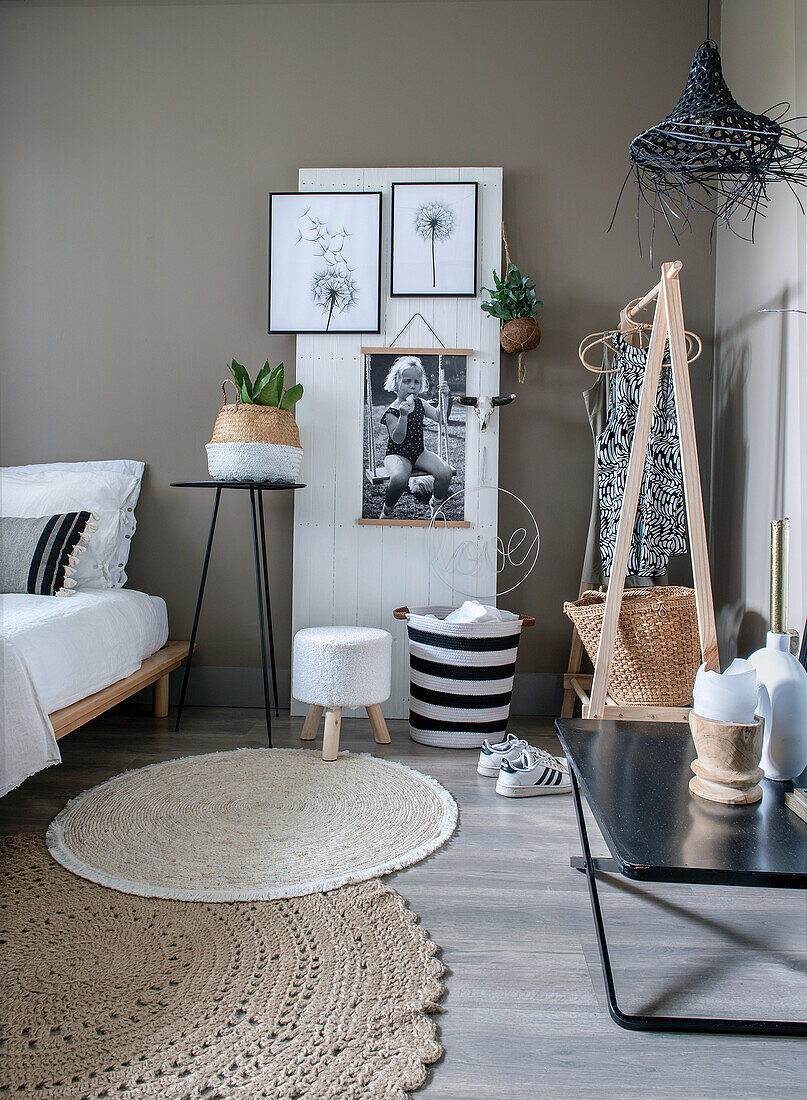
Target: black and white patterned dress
411 446
660 528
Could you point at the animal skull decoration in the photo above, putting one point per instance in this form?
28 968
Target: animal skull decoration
484 406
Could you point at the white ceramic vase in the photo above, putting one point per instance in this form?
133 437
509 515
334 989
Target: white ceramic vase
784 750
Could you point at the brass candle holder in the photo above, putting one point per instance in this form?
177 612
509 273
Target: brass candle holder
780 553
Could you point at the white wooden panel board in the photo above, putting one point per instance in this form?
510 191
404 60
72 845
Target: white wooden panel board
348 574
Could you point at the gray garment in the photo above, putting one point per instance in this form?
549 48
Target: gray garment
596 402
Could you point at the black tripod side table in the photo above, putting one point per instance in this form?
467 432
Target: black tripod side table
256 490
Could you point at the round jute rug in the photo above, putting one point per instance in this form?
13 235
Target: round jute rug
107 994
252 824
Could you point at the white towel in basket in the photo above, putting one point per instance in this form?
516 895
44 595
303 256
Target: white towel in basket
472 611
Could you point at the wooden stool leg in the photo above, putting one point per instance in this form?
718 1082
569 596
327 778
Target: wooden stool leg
311 723
159 704
330 741
567 708
380 731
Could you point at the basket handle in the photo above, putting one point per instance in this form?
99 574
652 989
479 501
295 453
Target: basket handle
527 620
400 612
223 384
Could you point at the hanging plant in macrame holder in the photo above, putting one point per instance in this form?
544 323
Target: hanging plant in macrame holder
513 302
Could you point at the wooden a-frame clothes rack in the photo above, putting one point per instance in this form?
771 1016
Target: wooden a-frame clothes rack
668 327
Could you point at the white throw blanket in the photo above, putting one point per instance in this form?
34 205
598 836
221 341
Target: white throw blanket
57 651
27 741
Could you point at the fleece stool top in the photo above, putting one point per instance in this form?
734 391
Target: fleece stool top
342 666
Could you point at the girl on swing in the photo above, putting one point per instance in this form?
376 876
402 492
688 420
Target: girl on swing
403 420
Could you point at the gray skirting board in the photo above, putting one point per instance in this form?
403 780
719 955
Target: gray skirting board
214 686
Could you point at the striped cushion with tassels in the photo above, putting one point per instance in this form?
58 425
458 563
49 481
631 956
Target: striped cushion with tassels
39 556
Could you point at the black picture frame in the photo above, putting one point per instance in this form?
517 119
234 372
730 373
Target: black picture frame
400 289
448 442
374 282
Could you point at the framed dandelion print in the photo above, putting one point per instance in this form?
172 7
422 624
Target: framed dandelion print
434 240
325 261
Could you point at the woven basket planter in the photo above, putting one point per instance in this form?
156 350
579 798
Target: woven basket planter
657 650
521 335
254 443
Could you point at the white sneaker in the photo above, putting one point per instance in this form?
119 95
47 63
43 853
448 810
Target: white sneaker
533 772
491 756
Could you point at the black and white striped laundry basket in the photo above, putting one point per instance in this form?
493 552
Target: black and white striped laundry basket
461 677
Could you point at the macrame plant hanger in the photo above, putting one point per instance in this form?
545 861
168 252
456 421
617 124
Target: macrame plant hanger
520 334
668 327
377 474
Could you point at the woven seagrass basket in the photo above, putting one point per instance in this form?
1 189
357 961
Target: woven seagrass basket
254 443
657 650
254 424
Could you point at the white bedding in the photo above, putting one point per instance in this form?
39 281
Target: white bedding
56 651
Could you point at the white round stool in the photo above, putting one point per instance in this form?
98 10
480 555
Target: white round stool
341 666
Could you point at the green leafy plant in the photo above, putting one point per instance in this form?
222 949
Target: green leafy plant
513 296
267 389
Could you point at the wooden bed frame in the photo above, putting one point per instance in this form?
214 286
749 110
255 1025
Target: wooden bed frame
154 670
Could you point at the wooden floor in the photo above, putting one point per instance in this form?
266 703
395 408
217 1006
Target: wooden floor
525 1014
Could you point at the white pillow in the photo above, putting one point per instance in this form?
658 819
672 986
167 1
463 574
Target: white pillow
109 489
115 465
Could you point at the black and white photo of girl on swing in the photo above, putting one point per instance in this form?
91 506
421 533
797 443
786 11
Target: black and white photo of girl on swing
414 446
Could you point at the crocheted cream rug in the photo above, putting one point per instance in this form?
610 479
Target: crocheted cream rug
107 994
252 824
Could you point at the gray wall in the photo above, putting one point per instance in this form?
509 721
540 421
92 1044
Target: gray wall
137 145
760 444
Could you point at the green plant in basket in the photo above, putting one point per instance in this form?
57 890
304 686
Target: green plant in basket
267 389
512 297
513 303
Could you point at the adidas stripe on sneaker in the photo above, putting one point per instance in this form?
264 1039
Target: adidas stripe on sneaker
533 772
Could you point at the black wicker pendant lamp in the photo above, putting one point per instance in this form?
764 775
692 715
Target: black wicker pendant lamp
710 154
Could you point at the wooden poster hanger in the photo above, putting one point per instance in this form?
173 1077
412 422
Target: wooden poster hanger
668 327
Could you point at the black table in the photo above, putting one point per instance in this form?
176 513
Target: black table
635 778
256 491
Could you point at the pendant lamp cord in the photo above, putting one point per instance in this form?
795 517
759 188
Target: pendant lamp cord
708 7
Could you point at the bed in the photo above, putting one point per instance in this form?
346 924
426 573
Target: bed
64 661
67 660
